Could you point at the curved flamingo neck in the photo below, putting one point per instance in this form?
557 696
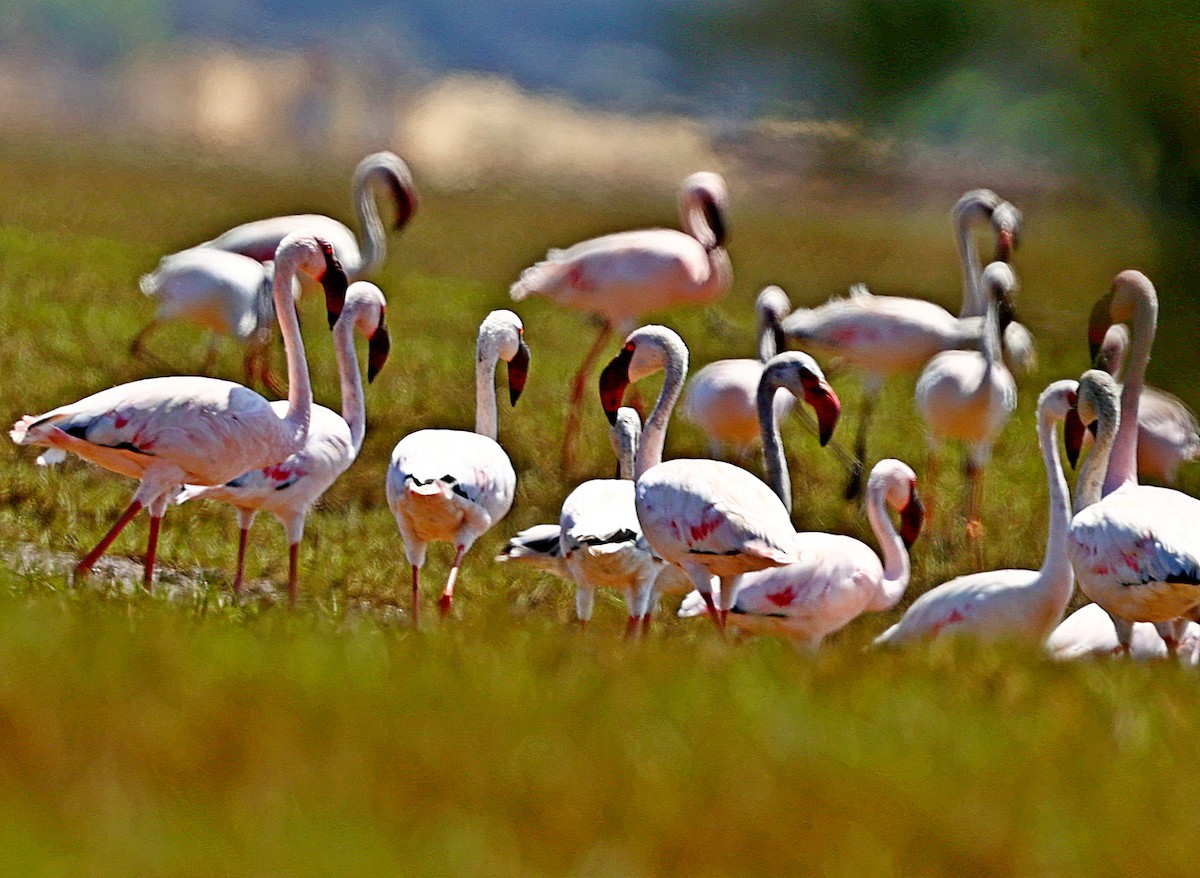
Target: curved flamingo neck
1122 464
1055 564
973 304
654 434
300 396
772 443
896 568
486 359
1089 484
354 411
627 446
374 243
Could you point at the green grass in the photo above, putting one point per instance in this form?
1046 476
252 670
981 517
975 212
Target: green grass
148 735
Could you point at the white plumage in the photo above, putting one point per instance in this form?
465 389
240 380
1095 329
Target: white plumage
1089 631
453 485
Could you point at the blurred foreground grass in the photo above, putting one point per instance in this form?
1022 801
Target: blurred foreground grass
144 735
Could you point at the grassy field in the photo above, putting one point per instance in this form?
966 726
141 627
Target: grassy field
193 736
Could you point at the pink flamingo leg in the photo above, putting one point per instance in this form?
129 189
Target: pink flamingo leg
448 595
632 624
577 390
241 560
151 552
84 567
416 603
646 624
293 572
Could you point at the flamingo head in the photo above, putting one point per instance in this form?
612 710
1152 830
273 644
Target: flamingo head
799 373
366 310
404 197
1000 281
895 482
1073 431
912 516
518 369
502 337
1097 400
824 401
333 281
1006 220
379 345
614 378
647 350
702 201
772 306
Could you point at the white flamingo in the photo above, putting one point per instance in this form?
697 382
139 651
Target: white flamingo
619 277
453 485
1089 631
538 546
289 489
969 396
708 517
1136 549
1020 605
224 285
380 170
1168 434
181 429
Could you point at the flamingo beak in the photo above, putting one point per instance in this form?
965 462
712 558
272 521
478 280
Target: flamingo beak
715 220
378 348
780 339
518 371
911 518
1073 433
405 199
1098 324
819 395
334 282
613 381
1006 243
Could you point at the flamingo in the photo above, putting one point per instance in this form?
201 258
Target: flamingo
618 277
224 285
1168 434
1020 605
708 517
1090 631
453 485
289 489
380 170
1136 548
538 546
970 396
174 430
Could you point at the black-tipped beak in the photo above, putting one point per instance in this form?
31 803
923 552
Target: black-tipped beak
405 198
1099 322
518 371
378 348
819 395
716 221
613 381
780 339
334 282
912 516
1073 433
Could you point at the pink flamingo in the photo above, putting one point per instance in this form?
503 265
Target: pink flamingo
1020 605
1168 434
453 485
1135 548
289 489
708 517
175 430
621 276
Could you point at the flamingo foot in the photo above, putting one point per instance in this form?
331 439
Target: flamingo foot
645 626
444 605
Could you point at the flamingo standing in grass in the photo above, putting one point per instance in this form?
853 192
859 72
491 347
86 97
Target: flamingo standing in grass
1168 434
619 277
1089 631
1019 605
1136 548
182 429
289 489
707 517
453 485
970 396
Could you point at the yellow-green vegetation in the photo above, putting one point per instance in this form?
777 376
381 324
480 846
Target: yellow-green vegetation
145 735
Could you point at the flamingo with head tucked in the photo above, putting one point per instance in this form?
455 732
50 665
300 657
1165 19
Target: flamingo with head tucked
1018 605
621 276
289 489
1136 548
453 485
182 429
707 517
1168 434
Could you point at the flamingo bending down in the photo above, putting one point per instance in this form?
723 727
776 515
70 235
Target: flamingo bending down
707 517
225 293
621 276
1136 548
1089 631
970 396
1022 605
289 489
382 170
181 429
453 485
1168 434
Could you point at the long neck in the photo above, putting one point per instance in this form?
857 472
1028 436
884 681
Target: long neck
895 557
989 344
300 397
654 434
972 272
374 246
1055 564
485 392
627 445
772 444
353 408
1122 466
1089 484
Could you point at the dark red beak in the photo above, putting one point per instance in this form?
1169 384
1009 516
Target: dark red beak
1098 324
1006 242
912 516
819 395
405 198
613 381
518 372
378 348
334 282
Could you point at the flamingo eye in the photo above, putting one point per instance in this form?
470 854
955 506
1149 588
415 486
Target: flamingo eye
630 347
